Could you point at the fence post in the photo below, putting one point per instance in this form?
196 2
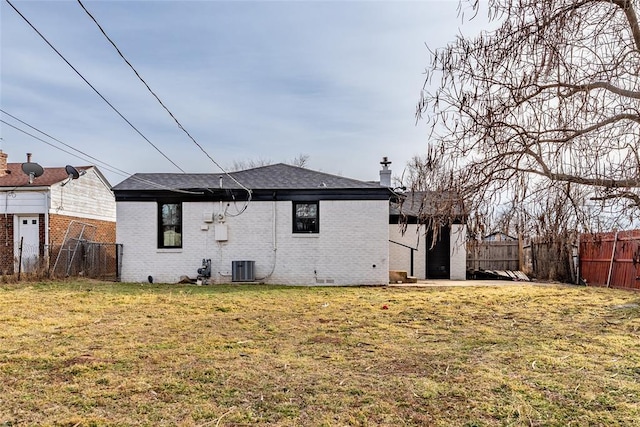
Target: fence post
576 260
613 254
520 252
117 262
20 258
534 258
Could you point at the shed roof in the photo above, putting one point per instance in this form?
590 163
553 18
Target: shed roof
417 204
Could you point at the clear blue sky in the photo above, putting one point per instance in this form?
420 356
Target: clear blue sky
337 81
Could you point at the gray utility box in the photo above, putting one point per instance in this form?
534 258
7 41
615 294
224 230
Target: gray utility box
243 271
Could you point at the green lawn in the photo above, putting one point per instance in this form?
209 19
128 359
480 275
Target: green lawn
88 353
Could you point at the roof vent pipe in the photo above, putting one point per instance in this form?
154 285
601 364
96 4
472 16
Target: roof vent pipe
385 173
28 157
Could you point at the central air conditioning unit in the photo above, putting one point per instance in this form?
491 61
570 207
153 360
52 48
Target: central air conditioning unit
243 271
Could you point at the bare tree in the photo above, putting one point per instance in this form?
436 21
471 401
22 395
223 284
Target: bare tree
550 100
300 160
433 197
239 165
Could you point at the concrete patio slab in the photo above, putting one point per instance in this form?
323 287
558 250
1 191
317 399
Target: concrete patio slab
473 283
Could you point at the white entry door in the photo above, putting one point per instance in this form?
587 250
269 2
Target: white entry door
29 237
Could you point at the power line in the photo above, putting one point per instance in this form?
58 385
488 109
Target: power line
92 87
113 168
105 165
40 139
158 98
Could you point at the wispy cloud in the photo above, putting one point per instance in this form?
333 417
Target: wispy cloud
335 80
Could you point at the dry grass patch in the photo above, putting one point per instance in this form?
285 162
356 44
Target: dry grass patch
85 354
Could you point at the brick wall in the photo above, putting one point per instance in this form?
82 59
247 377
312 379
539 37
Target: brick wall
6 244
104 231
351 249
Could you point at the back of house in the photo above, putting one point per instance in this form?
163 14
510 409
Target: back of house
277 224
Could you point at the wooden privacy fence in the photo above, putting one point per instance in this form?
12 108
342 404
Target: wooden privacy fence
542 259
611 259
552 260
601 259
492 255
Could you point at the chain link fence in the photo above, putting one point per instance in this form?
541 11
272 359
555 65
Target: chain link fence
77 258
81 258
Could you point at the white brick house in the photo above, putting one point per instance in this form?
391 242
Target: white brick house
300 227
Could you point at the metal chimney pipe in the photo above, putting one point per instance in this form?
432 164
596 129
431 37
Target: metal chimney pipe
28 157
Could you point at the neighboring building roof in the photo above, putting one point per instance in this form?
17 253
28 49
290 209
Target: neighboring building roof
421 204
272 177
498 235
14 177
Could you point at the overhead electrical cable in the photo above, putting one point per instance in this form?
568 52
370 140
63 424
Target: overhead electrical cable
40 139
182 128
112 168
106 166
92 87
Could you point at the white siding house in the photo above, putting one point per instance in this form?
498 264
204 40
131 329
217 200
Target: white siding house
36 213
300 227
88 197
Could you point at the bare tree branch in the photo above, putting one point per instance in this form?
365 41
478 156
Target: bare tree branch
549 99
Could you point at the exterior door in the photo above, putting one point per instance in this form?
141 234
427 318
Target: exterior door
29 235
439 256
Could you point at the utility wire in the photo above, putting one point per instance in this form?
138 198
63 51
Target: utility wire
111 168
106 166
91 86
159 100
39 139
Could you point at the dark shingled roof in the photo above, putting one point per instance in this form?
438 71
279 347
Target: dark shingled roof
426 203
272 177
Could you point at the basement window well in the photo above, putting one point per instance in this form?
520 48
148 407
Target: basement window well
306 217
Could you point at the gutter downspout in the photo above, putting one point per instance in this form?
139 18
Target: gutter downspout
47 245
6 217
274 237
